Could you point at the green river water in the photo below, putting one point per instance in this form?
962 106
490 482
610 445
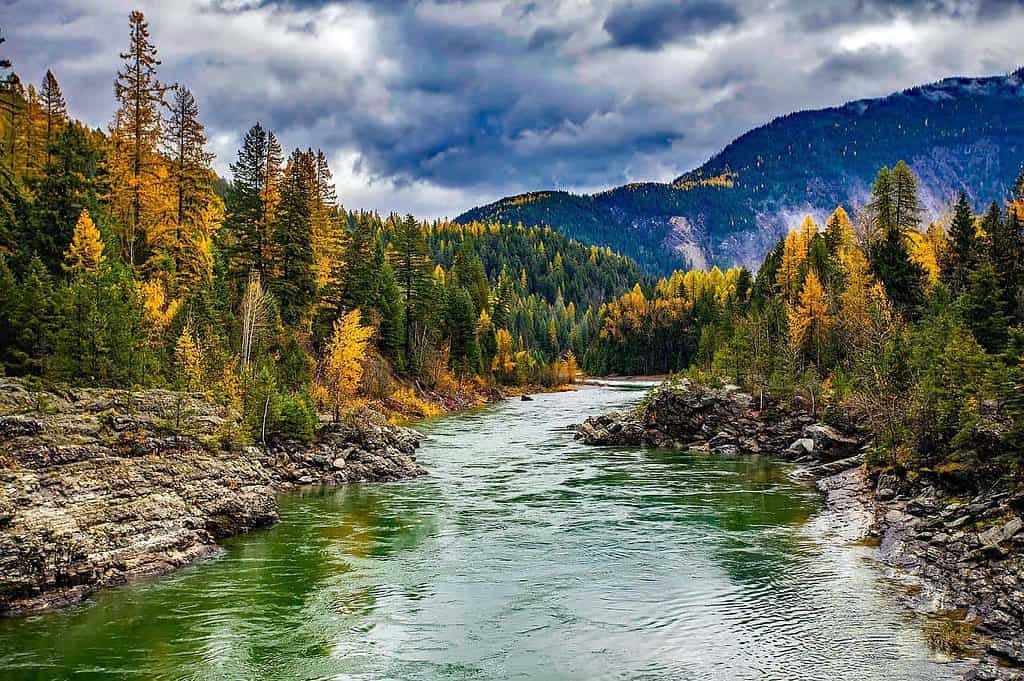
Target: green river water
524 555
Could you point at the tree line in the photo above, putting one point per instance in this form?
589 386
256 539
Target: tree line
125 260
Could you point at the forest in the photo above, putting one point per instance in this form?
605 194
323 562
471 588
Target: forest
876 322
126 261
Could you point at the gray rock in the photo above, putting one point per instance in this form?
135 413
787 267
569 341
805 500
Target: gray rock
801 447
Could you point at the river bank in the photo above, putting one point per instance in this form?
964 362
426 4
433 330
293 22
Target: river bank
964 558
101 486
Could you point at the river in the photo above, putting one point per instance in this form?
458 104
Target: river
524 555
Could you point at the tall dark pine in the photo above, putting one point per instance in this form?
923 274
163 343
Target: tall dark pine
895 210
1006 248
411 261
962 255
246 214
294 284
55 110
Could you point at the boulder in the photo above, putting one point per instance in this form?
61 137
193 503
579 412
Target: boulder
830 443
802 447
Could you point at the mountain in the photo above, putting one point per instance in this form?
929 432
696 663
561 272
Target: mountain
958 133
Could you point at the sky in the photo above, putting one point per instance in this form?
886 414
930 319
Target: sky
432 107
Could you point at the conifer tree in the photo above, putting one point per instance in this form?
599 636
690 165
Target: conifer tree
191 217
1006 250
983 307
252 203
342 368
73 180
460 319
136 165
962 254
411 262
895 210
86 251
294 283
55 111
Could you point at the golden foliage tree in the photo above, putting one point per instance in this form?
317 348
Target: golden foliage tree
809 320
342 367
85 254
504 363
188 355
137 170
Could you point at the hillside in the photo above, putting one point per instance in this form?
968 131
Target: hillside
958 133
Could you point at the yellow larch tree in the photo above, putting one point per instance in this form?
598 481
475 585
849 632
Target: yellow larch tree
342 367
188 355
839 230
503 363
809 320
85 254
794 254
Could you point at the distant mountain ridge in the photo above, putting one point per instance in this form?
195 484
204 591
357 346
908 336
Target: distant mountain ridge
957 133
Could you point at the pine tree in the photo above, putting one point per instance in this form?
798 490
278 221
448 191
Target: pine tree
895 210
983 307
460 320
252 203
136 165
294 284
962 254
1006 251
191 218
411 262
55 111
86 251
73 181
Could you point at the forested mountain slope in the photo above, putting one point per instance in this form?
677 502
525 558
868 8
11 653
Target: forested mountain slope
956 134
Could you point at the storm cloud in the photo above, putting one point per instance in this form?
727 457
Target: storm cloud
433 106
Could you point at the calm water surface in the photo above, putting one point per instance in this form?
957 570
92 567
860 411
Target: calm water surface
523 556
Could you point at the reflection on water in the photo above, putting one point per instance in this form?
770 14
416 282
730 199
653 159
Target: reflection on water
524 555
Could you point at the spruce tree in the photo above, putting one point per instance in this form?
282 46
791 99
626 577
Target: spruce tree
411 261
983 307
247 210
1006 250
962 254
294 283
895 211
55 111
73 181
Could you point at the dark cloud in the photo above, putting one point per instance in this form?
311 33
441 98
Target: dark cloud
827 14
649 24
432 106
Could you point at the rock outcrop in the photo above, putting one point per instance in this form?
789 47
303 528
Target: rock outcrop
726 421
99 486
968 555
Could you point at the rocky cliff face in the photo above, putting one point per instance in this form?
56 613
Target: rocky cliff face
99 486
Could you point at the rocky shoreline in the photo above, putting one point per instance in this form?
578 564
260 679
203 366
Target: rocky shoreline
964 557
101 486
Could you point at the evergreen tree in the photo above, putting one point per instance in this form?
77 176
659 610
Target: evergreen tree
983 307
251 202
55 111
73 181
32 321
460 320
1006 250
295 285
411 262
895 210
193 205
962 254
